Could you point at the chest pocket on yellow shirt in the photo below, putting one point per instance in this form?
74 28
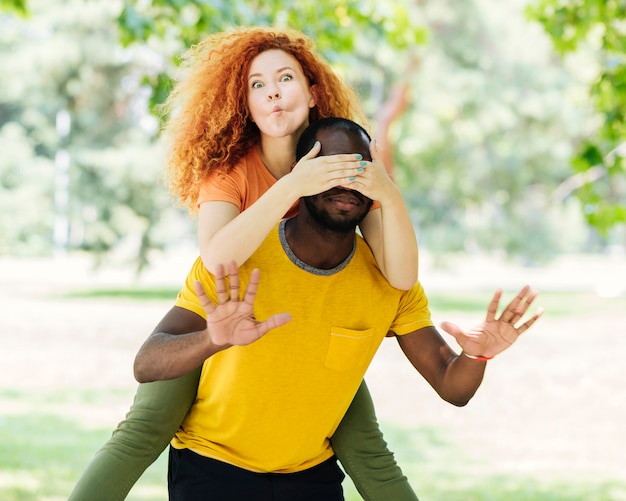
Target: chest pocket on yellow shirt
348 349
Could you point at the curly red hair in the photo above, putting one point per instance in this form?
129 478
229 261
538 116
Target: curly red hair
208 121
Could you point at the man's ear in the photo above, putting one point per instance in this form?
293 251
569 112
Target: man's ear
314 96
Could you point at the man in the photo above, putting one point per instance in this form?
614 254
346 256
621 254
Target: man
268 401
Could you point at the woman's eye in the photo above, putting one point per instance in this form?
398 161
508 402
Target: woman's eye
256 85
286 78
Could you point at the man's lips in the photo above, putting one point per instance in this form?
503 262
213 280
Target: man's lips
345 199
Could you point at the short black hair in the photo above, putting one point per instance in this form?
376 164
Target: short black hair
309 136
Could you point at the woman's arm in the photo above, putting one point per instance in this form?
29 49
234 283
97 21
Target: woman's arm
388 231
224 234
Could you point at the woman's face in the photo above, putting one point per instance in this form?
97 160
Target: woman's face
279 95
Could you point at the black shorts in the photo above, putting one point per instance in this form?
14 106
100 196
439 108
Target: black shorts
192 477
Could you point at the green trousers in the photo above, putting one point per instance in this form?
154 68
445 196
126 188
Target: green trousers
160 407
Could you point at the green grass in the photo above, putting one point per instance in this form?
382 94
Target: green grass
124 293
555 304
45 444
45 448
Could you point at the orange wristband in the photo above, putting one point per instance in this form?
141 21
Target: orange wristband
477 358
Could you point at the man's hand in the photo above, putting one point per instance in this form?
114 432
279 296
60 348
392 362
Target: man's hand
495 335
231 322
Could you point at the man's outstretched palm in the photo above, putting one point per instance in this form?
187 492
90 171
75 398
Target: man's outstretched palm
496 334
231 321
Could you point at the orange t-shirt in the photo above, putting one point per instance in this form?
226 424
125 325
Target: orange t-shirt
242 185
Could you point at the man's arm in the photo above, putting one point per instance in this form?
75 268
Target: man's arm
178 344
457 377
183 340
454 378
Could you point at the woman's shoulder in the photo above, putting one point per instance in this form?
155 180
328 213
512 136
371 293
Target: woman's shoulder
250 165
244 182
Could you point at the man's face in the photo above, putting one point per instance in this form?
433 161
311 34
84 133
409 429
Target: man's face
340 210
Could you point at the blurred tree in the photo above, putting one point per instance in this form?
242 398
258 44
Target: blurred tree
592 33
489 135
340 29
100 186
468 175
481 130
82 172
17 6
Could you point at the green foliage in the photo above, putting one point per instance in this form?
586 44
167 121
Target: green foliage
483 146
18 6
333 25
20 198
81 170
70 61
489 136
338 28
596 27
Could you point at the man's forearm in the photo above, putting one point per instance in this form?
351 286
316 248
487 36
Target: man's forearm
462 378
167 356
455 378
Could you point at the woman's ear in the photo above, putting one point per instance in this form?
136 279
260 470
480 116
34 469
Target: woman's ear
314 96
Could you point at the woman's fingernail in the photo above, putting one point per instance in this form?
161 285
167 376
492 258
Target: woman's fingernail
351 178
363 163
360 169
359 157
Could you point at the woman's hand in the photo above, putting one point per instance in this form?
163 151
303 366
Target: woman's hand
374 181
313 175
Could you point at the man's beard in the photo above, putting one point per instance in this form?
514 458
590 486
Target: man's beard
332 224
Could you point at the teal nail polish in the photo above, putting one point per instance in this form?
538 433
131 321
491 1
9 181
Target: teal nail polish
363 163
317 143
360 169
351 178
359 157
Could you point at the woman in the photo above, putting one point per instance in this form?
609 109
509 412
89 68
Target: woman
235 116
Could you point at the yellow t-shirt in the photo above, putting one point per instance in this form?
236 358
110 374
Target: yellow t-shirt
271 406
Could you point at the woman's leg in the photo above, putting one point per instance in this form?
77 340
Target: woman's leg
157 412
359 445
